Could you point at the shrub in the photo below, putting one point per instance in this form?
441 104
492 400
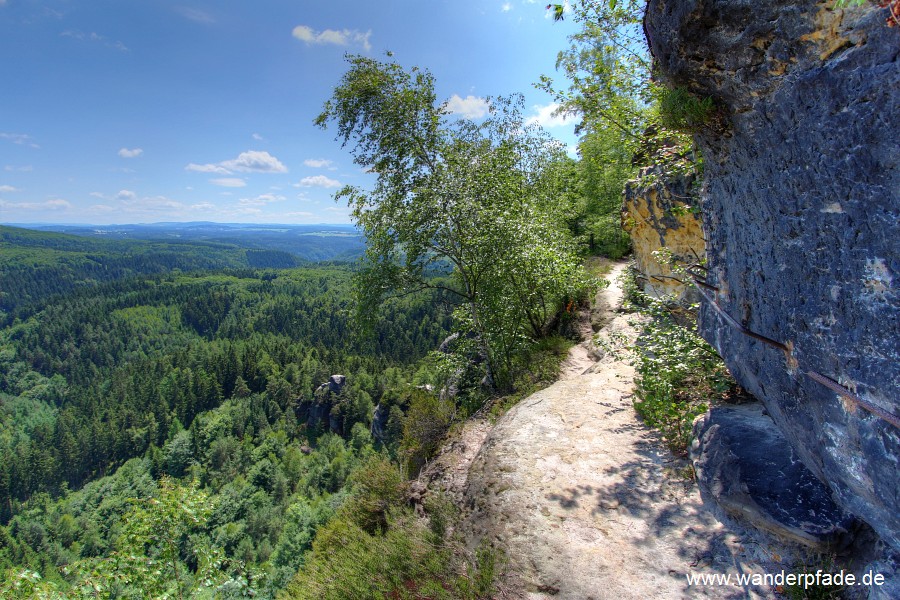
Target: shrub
678 373
680 110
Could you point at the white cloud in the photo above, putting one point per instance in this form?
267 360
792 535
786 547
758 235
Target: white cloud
19 138
252 161
317 163
255 161
126 196
546 117
13 168
196 15
5 189
101 208
94 37
130 153
319 181
205 206
343 37
228 182
54 204
258 137
207 169
470 107
261 200
506 7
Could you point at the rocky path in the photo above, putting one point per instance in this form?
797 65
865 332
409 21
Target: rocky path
585 500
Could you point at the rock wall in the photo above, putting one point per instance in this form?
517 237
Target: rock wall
657 212
800 211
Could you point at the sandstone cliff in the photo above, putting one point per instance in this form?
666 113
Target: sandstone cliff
801 219
660 212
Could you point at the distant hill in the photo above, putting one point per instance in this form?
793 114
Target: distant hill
38 263
307 242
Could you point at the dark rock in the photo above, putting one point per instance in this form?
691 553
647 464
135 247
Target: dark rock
747 467
320 411
888 567
448 341
379 422
800 211
336 383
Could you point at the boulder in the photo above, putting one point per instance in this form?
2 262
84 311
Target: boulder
746 466
800 207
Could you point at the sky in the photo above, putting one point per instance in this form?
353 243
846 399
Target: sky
127 111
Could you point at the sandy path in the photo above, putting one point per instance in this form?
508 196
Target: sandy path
584 499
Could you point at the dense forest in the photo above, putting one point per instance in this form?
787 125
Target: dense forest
195 375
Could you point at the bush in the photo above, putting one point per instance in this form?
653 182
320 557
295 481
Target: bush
348 563
680 110
678 373
378 488
427 420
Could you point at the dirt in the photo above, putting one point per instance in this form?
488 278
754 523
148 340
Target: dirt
583 498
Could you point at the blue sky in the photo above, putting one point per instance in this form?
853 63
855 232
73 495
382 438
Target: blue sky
118 111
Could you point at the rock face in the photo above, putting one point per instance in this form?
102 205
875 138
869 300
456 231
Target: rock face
800 211
662 212
745 463
320 411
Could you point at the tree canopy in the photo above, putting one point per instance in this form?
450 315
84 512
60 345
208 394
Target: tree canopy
479 199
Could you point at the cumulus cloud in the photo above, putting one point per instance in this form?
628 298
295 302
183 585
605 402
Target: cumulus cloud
126 196
5 189
317 163
547 116
258 137
205 206
19 138
319 181
130 153
506 7
342 37
252 161
470 107
228 182
255 161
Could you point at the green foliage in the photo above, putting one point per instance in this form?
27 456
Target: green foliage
680 110
678 373
153 555
610 86
475 199
377 487
426 423
813 564
405 561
